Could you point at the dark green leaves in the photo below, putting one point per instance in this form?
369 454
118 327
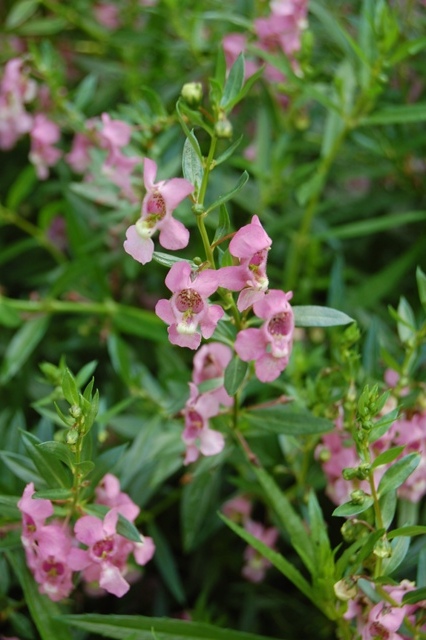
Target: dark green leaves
286 419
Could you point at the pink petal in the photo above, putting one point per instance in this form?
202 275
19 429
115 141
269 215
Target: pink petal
149 173
174 191
269 368
143 551
163 309
211 442
206 282
250 344
209 322
248 240
141 249
112 581
173 234
79 559
275 301
248 297
192 341
178 277
89 529
232 278
192 454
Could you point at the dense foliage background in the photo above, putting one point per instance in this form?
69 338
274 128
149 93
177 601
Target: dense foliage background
330 131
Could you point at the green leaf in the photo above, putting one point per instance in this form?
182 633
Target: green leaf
189 134
54 494
409 530
140 322
166 564
9 317
48 465
85 92
229 151
59 450
21 12
350 509
44 612
314 316
127 529
69 388
168 261
383 425
234 375
288 420
397 474
22 467
227 196
223 225
367 227
191 164
279 562
43 27
421 285
21 346
289 520
412 597
336 32
387 456
22 187
406 321
400 546
142 628
398 114
119 354
234 83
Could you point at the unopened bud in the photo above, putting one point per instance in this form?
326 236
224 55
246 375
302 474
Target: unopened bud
345 589
192 93
358 496
349 473
382 548
72 436
223 128
75 412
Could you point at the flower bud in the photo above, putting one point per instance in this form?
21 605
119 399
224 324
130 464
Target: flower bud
72 436
382 548
75 412
349 473
345 589
358 496
223 128
192 93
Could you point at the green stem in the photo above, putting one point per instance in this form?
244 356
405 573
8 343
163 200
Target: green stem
208 165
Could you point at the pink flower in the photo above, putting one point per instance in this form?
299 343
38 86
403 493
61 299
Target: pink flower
237 508
34 511
210 363
188 309
51 570
108 493
78 158
105 559
251 245
44 134
16 89
255 564
107 15
269 346
197 435
160 201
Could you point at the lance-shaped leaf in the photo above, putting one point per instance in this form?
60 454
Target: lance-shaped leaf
234 375
227 196
316 316
397 474
191 164
287 420
234 82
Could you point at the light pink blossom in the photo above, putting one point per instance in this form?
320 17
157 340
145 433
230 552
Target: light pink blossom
270 346
210 363
108 493
78 158
197 435
44 134
255 564
160 201
16 89
188 313
51 569
107 14
250 245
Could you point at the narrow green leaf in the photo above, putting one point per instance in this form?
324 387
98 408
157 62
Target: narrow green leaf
191 164
9 317
412 597
362 228
314 316
288 420
60 450
229 151
85 92
44 612
143 628
69 388
400 546
289 520
21 188
406 321
227 196
234 375
140 322
21 346
383 425
21 12
234 83
397 474
224 223
279 562
167 260
421 285
350 509
43 27
48 465
398 114
54 494
119 354
22 467
409 530
166 564
189 134
127 529
387 456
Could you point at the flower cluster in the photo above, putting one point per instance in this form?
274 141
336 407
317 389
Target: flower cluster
239 510
280 31
53 551
385 619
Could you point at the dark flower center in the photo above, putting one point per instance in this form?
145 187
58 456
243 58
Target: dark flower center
53 568
156 205
280 325
102 548
189 299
